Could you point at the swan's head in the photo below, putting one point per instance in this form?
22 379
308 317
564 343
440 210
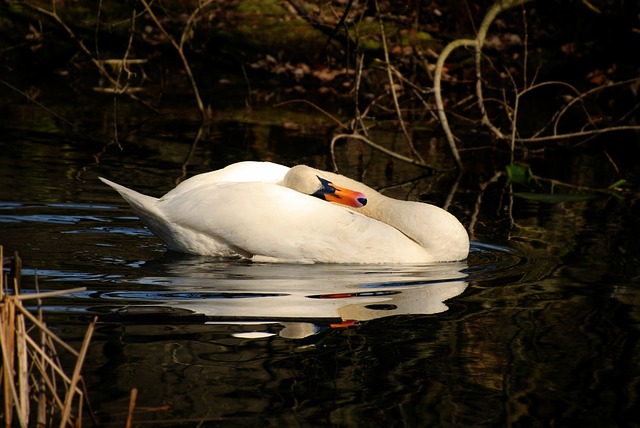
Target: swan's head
310 181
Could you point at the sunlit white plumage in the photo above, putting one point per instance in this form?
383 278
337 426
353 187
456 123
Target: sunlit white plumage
266 211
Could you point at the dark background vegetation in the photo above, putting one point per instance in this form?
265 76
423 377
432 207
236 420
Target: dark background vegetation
571 38
254 54
584 43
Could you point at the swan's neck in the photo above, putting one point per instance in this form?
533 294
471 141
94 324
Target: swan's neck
431 227
399 214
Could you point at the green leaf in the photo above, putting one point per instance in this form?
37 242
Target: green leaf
519 174
617 184
554 198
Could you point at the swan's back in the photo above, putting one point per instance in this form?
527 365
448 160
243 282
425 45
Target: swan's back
241 172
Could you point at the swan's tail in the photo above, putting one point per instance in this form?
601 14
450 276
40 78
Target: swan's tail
171 233
142 204
145 207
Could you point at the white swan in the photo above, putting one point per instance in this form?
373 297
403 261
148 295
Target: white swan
270 212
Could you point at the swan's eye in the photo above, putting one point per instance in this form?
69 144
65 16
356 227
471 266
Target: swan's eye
326 189
332 193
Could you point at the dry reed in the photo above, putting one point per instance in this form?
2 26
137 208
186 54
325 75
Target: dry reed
31 371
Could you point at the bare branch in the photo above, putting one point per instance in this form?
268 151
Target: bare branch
315 106
179 49
380 148
392 86
477 43
578 134
99 65
437 78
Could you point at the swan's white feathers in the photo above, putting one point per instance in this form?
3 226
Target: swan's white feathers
246 210
240 172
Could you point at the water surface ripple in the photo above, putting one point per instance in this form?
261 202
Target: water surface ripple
169 287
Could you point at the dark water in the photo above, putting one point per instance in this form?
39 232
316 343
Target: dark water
539 327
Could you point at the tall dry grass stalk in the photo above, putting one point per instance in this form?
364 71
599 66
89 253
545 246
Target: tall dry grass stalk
31 371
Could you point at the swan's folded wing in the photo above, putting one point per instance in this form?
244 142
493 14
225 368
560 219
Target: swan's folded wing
240 172
175 236
261 219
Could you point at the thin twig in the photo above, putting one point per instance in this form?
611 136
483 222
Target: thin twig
477 43
514 117
179 49
356 96
578 134
498 7
23 367
452 192
613 164
525 43
581 96
185 32
46 329
392 87
437 94
120 69
45 294
320 109
50 385
559 183
187 159
476 208
6 344
36 102
54 15
43 353
75 377
378 147
132 406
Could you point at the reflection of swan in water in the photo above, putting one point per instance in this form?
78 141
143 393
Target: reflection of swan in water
414 299
269 212
303 298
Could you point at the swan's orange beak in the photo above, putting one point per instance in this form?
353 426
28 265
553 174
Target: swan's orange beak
346 197
340 195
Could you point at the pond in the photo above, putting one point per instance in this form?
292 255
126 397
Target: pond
539 327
